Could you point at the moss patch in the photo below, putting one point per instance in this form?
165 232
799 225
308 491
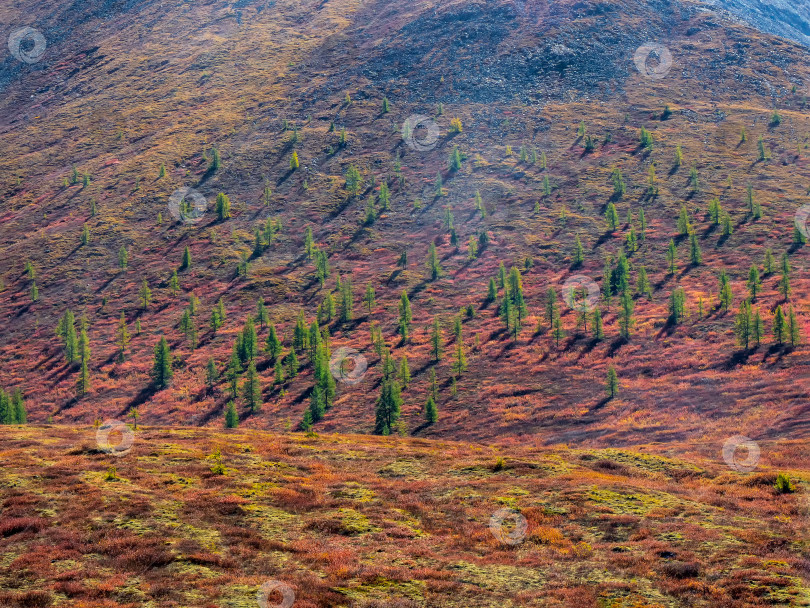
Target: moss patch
274 523
403 467
383 590
500 578
356 492
353 522
635 503
645 462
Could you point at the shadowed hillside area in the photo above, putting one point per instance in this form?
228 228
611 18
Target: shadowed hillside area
359 233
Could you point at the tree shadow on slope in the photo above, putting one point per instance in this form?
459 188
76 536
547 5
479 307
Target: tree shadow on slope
615 346
780 350
587 348
738 358
599 405
144 395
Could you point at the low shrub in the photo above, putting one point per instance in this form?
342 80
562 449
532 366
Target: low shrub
679 570
783 484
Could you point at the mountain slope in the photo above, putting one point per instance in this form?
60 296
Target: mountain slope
143 84
790 19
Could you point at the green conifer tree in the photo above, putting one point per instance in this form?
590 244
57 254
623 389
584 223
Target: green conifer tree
597 325
695 256
273 344
784 281
18 405
231 417
387 410
251 389
431 412
186 263
742 324
579 253
405 315
234 371
370 297
779 329
626 315
162 366
793 330
726 296
404 373
145 295
612 385
223 206
211 374
433 264
754 282
612 217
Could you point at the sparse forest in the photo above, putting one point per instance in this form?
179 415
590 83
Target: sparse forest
395 235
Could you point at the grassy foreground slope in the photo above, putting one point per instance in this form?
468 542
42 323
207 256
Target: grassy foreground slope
365 521
131 86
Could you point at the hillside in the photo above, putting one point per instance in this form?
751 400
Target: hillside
788 19
370 522
124 88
